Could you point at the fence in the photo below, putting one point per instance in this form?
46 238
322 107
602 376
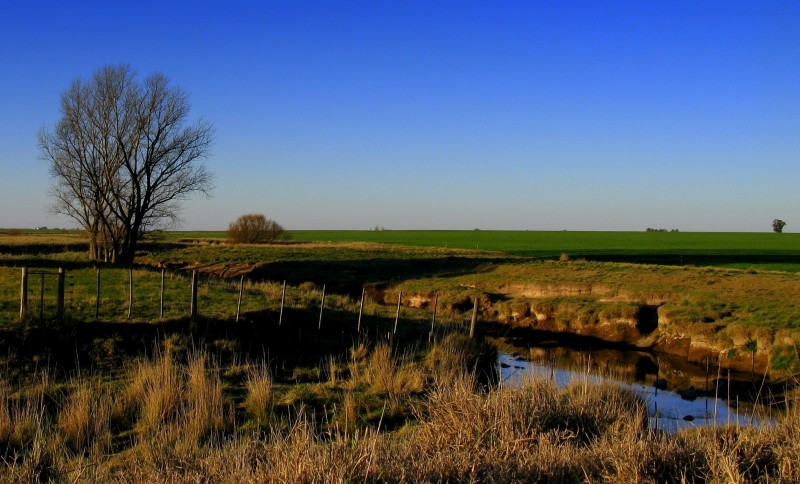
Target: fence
113 294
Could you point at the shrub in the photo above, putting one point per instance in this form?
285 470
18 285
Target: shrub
254 229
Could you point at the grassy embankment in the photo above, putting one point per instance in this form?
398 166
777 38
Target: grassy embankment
747 317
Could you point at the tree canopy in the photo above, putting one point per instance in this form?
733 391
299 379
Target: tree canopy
122 158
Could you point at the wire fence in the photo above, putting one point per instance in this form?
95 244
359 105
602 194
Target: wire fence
150 295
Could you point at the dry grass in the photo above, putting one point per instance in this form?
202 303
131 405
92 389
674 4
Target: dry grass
204 405
259 393
462 431
395 379
84 422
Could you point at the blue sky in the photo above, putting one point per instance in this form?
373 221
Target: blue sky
539 115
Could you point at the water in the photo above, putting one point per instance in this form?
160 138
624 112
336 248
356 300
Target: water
668 410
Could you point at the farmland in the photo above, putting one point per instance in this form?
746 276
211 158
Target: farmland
738 250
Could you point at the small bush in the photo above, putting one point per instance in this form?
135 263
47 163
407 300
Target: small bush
254 229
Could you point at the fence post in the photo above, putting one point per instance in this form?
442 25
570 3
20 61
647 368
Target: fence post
161 306
23 294
321 307
397 315
474 319
239 303
97 297
60 294
433 320
193 308
41 297
283 299
361 309
130 292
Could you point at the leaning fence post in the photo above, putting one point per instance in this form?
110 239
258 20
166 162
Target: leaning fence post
397 315
321 307
60 294
239 303
283 299
361 310
23 294
474 319
433 320
193 307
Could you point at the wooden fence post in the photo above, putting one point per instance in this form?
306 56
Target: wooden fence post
23 294
321 307
130 292
397 315
60 313
161 299
360 310
474 319
193 307
239 303
283 299
97 297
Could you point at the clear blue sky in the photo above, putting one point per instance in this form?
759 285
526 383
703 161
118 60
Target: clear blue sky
585 115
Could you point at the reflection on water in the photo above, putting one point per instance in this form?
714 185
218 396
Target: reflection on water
687 395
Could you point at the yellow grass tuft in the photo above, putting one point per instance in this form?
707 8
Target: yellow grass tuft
85 419
259 393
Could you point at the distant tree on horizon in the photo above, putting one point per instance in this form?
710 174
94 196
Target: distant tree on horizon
254 228
778 225
122 158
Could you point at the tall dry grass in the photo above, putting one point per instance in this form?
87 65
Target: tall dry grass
84 421
462 431
396 378
259 393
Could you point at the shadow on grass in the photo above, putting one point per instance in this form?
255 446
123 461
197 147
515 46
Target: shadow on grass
66 347
678 258
349 276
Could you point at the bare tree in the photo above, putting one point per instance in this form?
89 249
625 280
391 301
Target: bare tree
122 158
254 229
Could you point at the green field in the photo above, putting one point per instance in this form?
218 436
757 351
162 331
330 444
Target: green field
728 249
742 250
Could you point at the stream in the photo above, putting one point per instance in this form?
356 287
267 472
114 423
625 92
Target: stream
687 396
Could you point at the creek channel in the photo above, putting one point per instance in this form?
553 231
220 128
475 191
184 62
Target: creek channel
679 395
